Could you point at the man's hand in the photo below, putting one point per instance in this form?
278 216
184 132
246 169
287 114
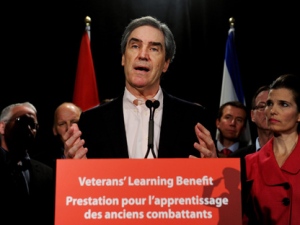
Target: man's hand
73 144
206 145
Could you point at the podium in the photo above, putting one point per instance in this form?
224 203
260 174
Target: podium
148 191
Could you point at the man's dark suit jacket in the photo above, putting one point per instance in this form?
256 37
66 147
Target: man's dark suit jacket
242 152
20 208
242 144
103 129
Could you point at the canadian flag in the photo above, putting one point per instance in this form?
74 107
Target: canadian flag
85 90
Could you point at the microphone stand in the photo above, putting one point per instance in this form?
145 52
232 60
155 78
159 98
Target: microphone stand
151 105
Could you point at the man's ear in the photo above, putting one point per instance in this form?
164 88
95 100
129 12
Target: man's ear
166 65
252 116
2 127
54 131
123 60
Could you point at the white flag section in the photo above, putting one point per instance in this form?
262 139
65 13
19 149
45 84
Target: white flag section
232 89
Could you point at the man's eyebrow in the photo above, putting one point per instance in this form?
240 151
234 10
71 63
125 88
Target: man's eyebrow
156 44
134 40
151 43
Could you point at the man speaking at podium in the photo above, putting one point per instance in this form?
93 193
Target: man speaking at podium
146 121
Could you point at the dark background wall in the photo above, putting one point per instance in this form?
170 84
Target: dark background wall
40 44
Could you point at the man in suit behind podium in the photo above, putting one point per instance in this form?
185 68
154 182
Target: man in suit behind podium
119 129
258 117
27 186
231 123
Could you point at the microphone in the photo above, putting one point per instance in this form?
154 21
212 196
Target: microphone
155 104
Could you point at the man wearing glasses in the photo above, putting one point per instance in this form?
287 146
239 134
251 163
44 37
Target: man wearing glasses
258 117
27 185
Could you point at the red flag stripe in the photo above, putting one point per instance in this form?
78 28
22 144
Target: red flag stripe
85 91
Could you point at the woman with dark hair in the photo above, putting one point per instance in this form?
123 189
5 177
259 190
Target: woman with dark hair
273 173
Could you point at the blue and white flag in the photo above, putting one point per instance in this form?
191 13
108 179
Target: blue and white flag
232 89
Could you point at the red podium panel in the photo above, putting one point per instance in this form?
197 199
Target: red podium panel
148 191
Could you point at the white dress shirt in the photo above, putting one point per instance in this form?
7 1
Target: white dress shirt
257 145
232 148
136 119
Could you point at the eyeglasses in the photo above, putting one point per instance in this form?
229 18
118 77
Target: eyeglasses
260 107
26 121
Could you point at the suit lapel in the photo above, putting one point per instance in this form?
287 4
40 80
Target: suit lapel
167 127
116 129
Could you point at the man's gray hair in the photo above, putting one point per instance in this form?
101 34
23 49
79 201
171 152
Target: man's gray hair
6 113
170 45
